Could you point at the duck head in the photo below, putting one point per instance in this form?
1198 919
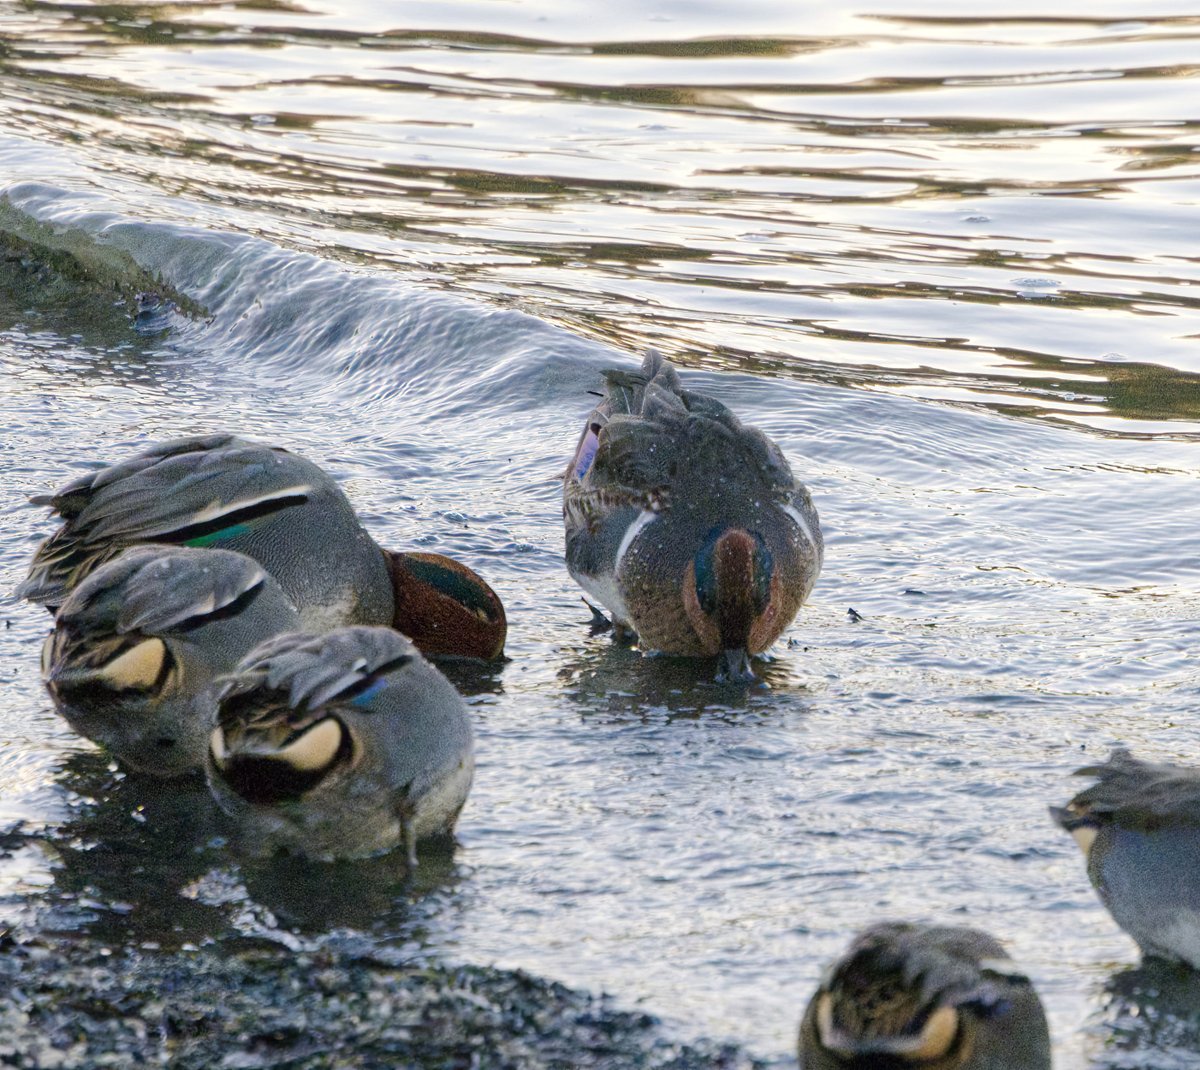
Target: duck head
731 594
445 608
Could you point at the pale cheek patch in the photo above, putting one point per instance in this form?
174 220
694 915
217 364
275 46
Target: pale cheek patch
315 749
938 1034
136 668
216 745
1085 836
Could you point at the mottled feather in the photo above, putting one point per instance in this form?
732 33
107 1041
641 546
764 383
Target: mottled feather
315 670
895 974
1137 794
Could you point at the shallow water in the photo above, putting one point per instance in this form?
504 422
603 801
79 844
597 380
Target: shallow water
946 262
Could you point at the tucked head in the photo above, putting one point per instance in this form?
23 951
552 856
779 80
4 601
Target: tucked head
137 645
329 745
731 595
908 996
719 578
445 608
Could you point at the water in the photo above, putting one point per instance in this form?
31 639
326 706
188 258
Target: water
947 262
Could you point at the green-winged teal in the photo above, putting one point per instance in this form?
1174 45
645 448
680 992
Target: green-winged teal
281 510
1139 829
340 745
137 646
926 998
688 526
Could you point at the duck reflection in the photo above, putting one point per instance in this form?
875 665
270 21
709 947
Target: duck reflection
613 680
151 863
378 897
132 845
472 677
1150 1020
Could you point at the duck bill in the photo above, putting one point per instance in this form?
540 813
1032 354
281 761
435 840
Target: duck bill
733 667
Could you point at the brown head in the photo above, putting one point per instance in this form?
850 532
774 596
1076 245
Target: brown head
731 592
445 608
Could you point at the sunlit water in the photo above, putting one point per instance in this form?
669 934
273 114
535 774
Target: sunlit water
948 263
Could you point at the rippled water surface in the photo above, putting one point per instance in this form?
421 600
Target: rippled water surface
947 262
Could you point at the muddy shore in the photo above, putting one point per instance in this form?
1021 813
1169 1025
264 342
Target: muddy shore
240 1004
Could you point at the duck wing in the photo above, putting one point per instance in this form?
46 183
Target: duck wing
649 435
185 491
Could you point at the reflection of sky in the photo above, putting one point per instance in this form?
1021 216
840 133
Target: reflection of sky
835 189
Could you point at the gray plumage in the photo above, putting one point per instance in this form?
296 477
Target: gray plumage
924 996
660 480
1139 829
340 745
137 646
265 502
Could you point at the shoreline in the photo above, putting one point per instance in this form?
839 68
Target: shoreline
244 1003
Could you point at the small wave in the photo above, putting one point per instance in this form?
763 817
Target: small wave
287 316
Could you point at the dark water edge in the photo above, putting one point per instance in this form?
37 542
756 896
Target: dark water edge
140 954
246 1004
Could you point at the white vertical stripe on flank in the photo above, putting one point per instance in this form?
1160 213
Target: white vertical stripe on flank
801 523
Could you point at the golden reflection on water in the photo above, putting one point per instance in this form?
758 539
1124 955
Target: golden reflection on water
867 195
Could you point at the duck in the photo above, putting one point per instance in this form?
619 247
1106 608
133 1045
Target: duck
340 745
923 996
1138 827
137 647
281 510
685 524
